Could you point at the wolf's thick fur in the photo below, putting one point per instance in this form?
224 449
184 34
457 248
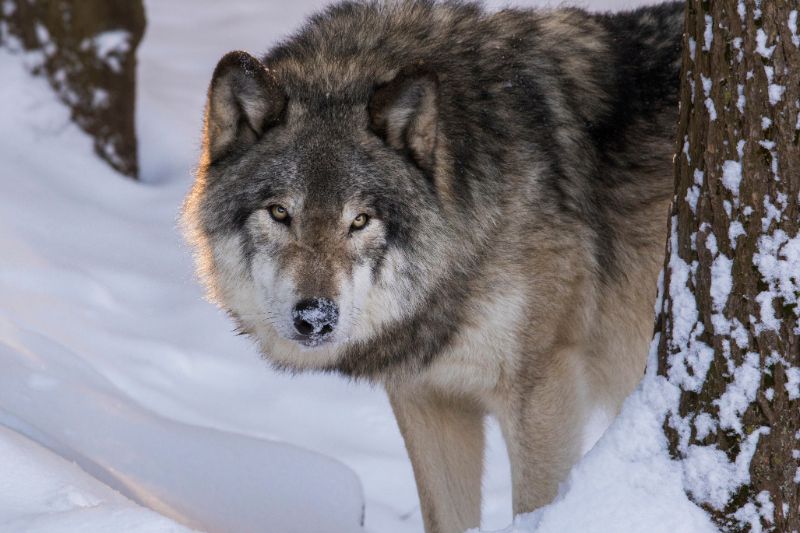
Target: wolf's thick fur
512 171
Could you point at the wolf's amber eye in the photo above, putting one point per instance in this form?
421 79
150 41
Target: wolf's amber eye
360 221
278 213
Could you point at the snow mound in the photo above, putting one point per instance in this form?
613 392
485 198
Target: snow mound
41 492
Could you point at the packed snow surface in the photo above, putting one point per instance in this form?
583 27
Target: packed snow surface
44 493
127 404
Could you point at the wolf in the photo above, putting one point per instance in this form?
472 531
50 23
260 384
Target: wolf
467 207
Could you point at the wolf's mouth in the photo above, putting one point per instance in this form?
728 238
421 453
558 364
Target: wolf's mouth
313 340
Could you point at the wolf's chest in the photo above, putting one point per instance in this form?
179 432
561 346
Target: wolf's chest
482 352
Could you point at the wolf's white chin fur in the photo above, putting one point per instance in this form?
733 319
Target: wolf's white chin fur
294 354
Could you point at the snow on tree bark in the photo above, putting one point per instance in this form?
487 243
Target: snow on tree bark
728 325
87 51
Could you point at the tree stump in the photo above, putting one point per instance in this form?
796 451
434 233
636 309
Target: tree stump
88 54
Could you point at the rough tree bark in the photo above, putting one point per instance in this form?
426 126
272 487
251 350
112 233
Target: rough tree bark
87 51
728 330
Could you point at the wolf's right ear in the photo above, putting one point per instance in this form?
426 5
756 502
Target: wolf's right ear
403 112
244 101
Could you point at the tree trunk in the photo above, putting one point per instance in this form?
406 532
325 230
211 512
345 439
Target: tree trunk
88 54
728 325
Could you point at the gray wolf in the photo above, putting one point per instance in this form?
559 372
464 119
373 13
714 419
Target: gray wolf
466 207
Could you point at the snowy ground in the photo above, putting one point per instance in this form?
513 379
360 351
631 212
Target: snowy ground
126 404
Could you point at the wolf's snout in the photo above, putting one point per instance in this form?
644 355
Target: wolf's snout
315 317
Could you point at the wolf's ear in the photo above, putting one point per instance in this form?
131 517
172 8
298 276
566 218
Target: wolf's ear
404 113
244 100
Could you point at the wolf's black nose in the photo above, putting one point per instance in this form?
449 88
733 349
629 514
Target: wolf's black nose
316 316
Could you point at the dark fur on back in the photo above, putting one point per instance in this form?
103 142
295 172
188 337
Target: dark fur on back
589 93
593 96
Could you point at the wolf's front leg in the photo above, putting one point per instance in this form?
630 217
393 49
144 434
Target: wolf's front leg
542 423
444 438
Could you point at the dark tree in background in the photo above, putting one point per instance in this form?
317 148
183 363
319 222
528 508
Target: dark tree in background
88 54
729 322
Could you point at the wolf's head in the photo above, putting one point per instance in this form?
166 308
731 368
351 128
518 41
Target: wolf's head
311 210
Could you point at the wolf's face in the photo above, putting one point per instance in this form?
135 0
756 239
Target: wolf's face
312 259
309 216
315 237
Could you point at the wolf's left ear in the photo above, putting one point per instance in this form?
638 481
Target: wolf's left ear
403 112
244 100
